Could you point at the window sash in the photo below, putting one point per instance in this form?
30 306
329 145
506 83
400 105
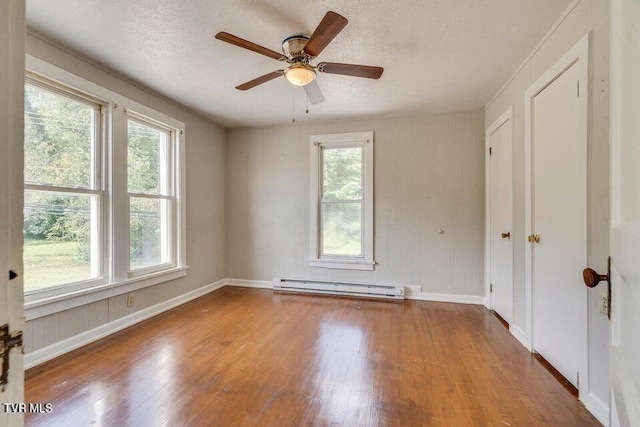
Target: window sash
97 239
329 255
168 259
167 167
97 145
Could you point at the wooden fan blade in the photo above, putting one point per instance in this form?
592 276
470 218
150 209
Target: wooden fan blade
234 40
260 80
314 93
329 27
366 71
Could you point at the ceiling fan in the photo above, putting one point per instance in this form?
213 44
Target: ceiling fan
299 51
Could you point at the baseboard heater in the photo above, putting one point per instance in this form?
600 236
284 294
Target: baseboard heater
338 288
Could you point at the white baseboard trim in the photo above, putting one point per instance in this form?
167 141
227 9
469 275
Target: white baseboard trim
58 349
520 336
455 298
593 403
597 407
243 283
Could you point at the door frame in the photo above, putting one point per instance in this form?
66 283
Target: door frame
505 117
578 54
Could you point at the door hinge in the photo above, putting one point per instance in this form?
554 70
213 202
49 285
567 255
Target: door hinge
490 150
578 88
490 287
578 380
7 342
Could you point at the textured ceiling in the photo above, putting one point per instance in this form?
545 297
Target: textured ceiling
438 55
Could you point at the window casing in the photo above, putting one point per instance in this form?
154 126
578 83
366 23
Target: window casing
136 204
151 195
341 203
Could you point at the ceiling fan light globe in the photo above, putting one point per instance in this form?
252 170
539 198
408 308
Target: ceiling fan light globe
300 75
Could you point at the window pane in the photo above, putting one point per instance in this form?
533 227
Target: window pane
147 159
59 245
149 232
341 228
58 139
342 173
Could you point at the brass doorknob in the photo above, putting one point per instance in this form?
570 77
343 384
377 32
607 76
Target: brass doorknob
534 238
506 235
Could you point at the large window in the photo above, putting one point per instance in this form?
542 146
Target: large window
151 197
104 191
342 201
63 187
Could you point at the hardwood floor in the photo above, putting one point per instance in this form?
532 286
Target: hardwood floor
240 357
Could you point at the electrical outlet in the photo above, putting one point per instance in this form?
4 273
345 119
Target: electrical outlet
604 304
130 300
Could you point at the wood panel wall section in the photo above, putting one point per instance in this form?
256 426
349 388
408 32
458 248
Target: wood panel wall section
205 151
428 175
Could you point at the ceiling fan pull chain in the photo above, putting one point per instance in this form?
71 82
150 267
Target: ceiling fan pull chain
293 106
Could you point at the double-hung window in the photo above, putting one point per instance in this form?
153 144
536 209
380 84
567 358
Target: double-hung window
342 201
150 186
104 203
63 198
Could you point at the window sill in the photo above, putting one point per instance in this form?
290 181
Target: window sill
342 264
65 301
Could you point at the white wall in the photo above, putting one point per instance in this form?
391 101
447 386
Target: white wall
429 175
587 16
205 160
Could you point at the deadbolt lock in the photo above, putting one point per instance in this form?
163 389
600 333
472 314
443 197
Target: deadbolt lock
534 238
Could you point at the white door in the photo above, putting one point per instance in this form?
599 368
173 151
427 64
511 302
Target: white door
625 229
12 30
499 139
558 120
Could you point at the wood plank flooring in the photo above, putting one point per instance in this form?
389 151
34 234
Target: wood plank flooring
241 357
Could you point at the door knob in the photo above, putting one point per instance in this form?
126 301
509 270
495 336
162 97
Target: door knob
534 238
506 235
592 278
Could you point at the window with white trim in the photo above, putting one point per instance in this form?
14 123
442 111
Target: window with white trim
151 196
63 196
104 191
342 201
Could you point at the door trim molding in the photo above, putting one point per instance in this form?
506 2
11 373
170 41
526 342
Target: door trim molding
505 117
578 53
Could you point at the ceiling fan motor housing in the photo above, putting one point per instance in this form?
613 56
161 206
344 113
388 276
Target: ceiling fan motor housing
292 46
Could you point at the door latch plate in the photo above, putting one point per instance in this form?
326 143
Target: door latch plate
7 342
